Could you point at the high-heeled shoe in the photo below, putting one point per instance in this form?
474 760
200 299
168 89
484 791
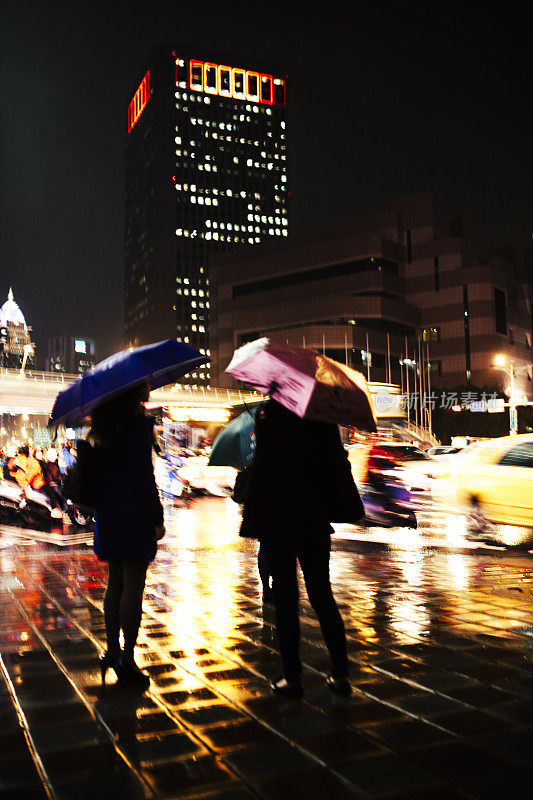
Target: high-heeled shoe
108 661
129 674
281 686
340 686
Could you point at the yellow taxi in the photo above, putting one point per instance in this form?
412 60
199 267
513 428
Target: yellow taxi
494 479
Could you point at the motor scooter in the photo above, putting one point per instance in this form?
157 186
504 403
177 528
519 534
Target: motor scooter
34 508
387 501
10 497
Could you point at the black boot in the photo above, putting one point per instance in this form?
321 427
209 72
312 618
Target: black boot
129 674
340 686
109 661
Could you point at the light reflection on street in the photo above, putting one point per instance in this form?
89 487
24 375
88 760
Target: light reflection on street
197 582
459 571
413 612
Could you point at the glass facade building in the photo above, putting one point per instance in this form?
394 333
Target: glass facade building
206 171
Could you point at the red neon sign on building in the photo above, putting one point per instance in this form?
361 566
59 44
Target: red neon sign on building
241 84
139 101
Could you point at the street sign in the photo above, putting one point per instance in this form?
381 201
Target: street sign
41 436
478 405
496 405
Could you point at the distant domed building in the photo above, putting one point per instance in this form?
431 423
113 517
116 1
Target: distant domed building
16 346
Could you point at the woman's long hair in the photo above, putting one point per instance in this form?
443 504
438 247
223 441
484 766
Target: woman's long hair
110 416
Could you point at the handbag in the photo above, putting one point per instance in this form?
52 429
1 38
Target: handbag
345 504
240 490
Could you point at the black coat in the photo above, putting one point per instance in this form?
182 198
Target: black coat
51 472
128 507
300 478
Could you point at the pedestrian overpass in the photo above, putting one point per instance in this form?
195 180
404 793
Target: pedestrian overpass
34 392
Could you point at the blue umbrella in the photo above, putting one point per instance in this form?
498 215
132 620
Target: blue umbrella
235 443
159 364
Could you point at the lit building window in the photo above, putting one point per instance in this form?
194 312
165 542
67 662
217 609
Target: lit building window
431 335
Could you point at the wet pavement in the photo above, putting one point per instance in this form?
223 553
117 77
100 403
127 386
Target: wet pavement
441 649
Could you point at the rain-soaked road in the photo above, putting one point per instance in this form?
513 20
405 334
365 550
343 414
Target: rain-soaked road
440 634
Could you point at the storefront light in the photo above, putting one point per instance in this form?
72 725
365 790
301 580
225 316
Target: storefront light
198 414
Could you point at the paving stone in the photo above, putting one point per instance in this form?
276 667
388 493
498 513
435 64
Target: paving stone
442 704
316 784
262 761
404 735
344 746
383 775
175 778
469 723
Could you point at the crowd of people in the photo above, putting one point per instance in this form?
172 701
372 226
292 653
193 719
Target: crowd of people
40 470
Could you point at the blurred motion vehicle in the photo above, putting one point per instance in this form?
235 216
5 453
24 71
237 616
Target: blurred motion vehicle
166 468
10 497
388 502
33 506
199 478
493 481
442 452
416 467
392 493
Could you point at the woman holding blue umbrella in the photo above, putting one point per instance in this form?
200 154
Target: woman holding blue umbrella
116 476
128 522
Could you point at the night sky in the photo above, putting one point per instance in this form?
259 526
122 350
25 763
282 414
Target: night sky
385 99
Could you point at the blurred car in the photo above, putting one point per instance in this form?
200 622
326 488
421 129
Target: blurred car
166 476
443 452
412 466
199 478
493 480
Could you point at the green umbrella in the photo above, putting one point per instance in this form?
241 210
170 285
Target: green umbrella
235 443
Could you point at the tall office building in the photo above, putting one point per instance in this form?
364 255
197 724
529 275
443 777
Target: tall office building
206 170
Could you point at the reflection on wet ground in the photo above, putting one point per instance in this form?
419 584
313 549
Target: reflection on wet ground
441 648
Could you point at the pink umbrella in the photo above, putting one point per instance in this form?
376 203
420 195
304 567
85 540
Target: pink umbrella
306 382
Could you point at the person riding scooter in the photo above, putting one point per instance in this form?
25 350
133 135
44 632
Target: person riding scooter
26 469
393 498
379 460
52 485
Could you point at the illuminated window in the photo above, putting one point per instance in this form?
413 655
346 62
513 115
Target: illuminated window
196 75
279 94
266 89
239 83
431 335
252 86
225 84
211 78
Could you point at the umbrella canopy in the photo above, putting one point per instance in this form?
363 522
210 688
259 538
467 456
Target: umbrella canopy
159 364
235 444
306 382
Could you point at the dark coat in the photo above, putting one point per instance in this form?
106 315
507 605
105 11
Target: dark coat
128 507
51 472
300 478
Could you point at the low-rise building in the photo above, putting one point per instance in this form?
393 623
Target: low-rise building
384 294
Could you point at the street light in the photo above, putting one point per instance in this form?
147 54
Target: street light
500 363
